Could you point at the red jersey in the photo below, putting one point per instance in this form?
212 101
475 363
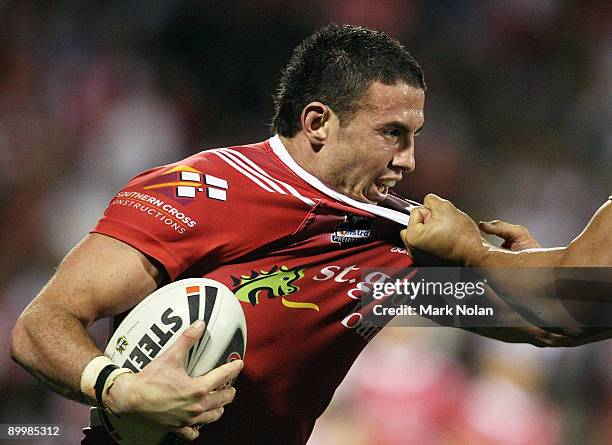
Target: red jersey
292 250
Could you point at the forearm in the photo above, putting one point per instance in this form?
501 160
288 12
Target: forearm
492 256
592 248
523 280
54 347
537 284
512 327
546 286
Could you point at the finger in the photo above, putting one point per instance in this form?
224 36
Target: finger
187 433
488 226
500 228
209 416
186 340
418 216
433 202
218 399
426 215
218 376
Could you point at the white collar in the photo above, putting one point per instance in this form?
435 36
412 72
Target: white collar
279 149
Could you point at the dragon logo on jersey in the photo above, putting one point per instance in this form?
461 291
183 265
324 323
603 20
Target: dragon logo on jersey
182 184
277 282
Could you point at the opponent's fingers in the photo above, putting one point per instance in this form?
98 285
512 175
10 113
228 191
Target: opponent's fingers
219 376
179 350
410 234
490 227
418 216
503 229
434 202
187 432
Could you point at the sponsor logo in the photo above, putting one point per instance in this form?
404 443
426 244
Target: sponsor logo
400 250
183 183
358 286
353 229
351 275
278 282
156 208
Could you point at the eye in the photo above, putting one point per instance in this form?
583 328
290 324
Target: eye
394 133
391 133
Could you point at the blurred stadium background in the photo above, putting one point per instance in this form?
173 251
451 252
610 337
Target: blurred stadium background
518 127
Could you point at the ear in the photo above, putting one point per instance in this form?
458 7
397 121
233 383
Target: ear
315 120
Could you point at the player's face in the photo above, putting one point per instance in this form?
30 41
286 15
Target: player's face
377 145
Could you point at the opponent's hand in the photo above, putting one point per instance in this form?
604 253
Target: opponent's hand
515 237
164 394
440 229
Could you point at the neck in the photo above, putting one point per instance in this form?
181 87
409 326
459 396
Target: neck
305 155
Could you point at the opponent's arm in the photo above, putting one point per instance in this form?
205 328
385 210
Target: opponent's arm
98 278
515 327
442 230
592 248
511 326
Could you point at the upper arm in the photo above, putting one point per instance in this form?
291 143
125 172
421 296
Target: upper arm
100 277
593 247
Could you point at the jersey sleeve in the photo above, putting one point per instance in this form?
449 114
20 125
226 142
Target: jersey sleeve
198 211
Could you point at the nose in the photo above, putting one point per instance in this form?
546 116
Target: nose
404 159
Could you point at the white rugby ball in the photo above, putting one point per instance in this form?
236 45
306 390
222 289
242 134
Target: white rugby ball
155 324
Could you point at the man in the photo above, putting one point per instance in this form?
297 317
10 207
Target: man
570 301
288 224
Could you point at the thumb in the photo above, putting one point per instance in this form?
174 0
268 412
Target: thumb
418 217
187 339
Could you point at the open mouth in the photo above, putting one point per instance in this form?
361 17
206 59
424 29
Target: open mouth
379 190
384 186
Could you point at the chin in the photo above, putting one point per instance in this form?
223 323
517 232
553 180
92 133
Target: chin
367 197
372 200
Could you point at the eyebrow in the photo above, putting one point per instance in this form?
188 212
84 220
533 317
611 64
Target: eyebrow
401 126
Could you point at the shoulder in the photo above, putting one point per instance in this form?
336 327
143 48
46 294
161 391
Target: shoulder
221 203
247 171
225 160
226 183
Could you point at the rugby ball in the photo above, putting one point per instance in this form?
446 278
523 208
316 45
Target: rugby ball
156 323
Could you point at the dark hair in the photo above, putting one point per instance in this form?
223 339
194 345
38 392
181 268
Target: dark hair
335 66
